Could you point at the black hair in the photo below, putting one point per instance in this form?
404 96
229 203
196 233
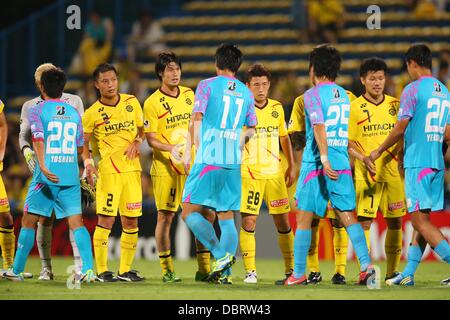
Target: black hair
53 82
372 65
228 57
257 70
102 68
163 60
326 61
421 54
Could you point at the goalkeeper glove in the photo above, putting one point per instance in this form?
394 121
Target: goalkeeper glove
30 158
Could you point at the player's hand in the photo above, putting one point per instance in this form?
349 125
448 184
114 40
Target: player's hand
289 176
30 158
186 159
330 173
133 150
91 174
49 175
177 152
370 165
374 155
401 169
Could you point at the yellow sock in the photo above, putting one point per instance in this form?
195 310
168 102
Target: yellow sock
165 261
286 244
312 259
393 248
340 243
248 249
367 235
101 248
128 243
203 261
8 245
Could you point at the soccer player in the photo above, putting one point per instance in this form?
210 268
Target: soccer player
223 105
297 129
44 226
57 136
115 123
262 174
422 121
325 173
7 237
372 117
166 121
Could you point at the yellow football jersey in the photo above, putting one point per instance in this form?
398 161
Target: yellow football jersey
368 126
261 155
2 105
297 120
169 117
113 129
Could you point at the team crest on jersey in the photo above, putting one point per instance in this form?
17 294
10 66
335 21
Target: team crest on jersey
437 87
392 111
129 108
275 114
336 93
188 101
60 110
231 85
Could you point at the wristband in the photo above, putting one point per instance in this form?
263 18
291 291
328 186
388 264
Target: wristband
323 158
88 161
138 139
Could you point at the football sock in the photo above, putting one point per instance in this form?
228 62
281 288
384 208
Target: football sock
248 249
84 247
302 243
128 243
443 250
393 249
24 246
165 261
340 243
203 261
101 248
414 257
313 252
7 244
356 235
367 236
205 233
228 238
44 244
286 244
76 252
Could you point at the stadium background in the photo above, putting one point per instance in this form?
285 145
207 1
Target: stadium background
276 33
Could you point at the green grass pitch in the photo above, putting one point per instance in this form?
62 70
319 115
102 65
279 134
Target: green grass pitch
427 284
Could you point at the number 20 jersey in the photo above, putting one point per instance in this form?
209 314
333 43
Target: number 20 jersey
426 103
58 125
328 104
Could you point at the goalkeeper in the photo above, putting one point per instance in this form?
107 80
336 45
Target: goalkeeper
44 226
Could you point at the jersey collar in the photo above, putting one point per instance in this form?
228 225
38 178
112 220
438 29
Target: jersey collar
169 95
111 105
264 105
375 104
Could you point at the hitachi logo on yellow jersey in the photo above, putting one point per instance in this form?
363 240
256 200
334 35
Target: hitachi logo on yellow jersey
119 126
178 117
266 129
378 127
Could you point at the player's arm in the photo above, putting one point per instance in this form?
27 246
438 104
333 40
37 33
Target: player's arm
320 135
89 165
355 151
133 150
192 139
24 135
286 146
3 137
395 136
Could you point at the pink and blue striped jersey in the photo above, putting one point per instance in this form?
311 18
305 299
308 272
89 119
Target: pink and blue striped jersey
328 104
227 105
426 103
58 125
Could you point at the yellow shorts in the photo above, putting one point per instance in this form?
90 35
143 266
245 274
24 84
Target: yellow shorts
272 191
389 197
119 191
4 203
331 214
168 191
